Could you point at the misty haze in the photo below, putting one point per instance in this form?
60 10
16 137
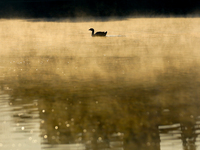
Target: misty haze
136 88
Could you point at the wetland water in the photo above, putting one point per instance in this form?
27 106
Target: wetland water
137 88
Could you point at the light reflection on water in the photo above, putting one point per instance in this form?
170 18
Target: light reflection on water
19 125
66 90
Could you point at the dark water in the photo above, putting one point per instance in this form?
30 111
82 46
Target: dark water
129 94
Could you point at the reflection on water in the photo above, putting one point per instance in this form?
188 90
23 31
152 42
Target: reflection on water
19 127
66 90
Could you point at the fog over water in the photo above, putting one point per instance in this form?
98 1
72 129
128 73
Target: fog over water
136 88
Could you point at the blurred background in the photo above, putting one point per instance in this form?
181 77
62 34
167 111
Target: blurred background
97 8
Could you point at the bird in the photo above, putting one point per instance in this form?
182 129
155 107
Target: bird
97 33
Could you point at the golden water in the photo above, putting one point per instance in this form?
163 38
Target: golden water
137 88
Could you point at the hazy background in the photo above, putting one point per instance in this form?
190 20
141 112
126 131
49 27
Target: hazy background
97 8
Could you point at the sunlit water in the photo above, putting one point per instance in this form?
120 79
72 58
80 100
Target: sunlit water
136 88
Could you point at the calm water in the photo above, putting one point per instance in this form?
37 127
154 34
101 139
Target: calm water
137 88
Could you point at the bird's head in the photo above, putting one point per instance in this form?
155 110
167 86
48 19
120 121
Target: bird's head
91 29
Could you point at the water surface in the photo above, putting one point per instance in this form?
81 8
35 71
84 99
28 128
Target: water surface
137 88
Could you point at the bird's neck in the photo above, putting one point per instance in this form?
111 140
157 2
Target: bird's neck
92 32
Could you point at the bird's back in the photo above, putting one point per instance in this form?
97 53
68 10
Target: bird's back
100 33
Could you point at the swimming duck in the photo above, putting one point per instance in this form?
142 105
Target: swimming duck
98 33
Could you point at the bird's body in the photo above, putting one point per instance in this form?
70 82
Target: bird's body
97 33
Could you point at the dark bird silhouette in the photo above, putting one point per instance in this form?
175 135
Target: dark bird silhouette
98 33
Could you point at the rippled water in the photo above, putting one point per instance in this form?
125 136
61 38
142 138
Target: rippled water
137 88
